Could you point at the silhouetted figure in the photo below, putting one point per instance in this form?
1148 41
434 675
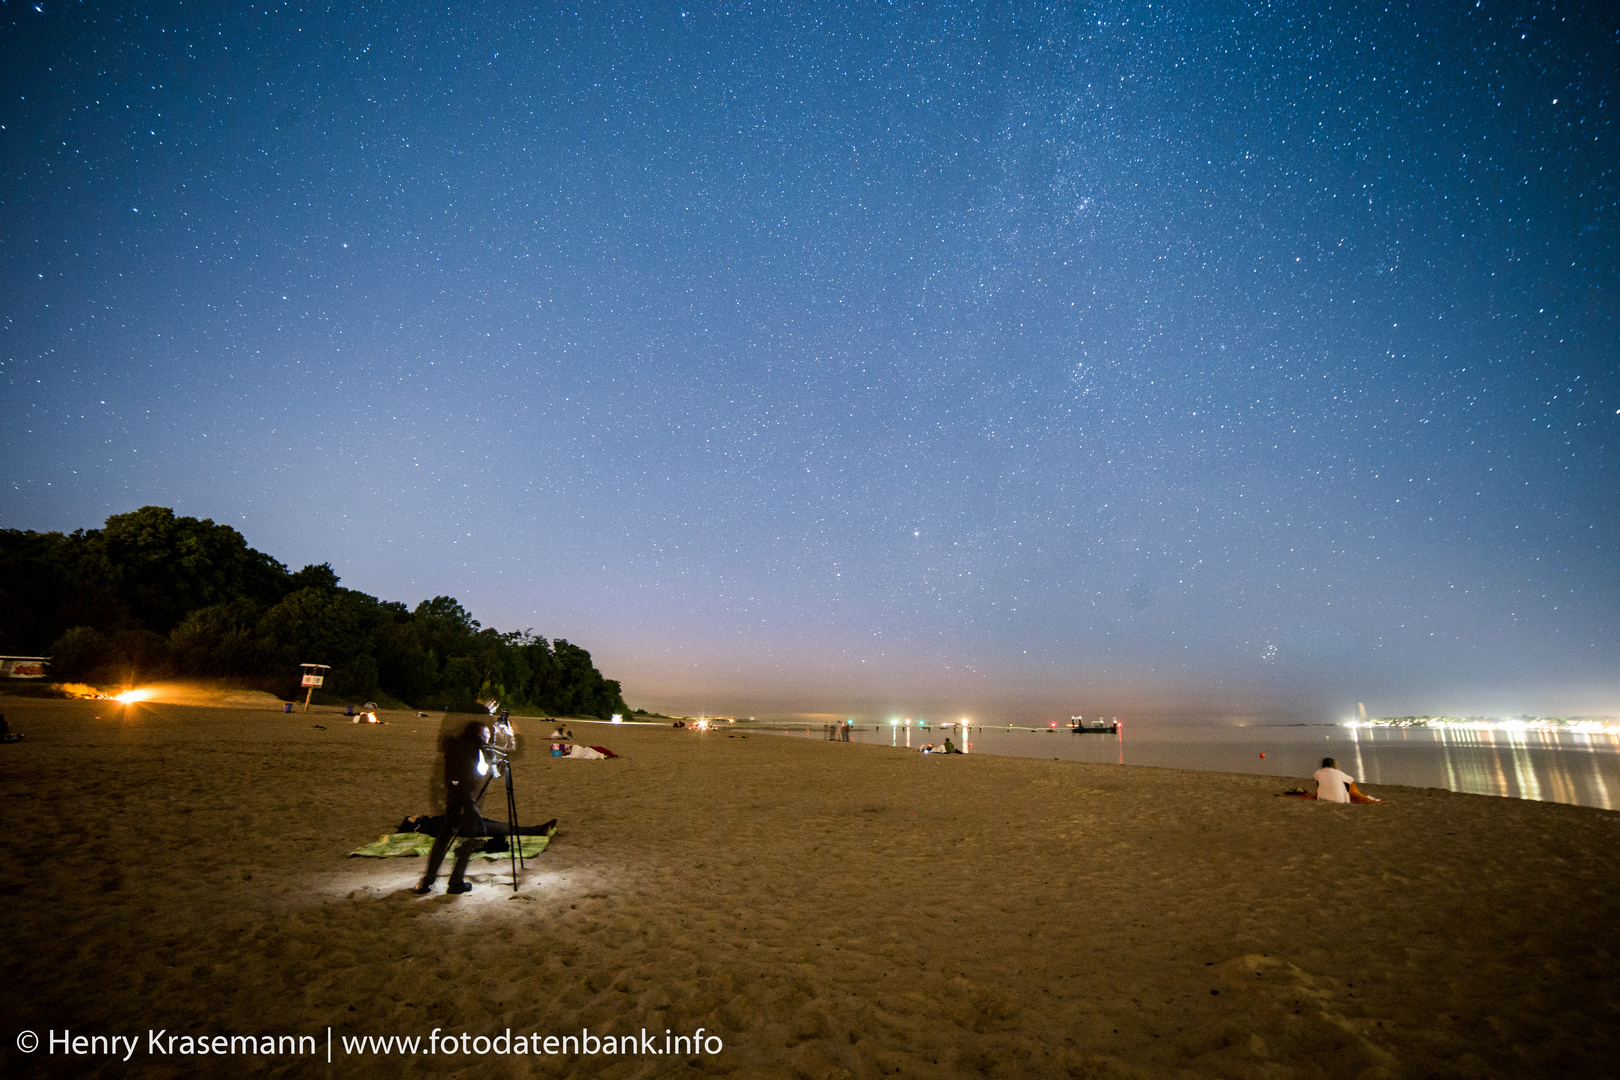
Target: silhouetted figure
465 772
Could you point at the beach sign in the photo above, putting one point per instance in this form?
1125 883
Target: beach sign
22 667
312 679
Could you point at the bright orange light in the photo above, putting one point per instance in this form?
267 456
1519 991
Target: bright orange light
129 696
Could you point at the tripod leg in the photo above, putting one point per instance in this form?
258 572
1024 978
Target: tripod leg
513 840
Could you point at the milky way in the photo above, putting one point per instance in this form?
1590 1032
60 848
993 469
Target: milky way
1002 359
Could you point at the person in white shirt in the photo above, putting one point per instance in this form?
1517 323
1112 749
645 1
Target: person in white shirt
1332 785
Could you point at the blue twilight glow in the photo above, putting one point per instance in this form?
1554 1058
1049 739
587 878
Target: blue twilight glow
1020 359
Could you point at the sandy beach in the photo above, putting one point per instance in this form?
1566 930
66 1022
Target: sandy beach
817 909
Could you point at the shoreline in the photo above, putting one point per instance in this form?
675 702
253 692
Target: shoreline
1572 768
824 909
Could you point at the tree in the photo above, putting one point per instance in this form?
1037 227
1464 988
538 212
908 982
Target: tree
314 577
320 626
445 626
151 590
220 640
580 689
79 653
50 583
404 668
163 567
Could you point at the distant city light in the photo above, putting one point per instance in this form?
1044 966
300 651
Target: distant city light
1580 725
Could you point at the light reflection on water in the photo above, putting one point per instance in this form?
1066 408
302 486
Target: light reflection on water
1547 766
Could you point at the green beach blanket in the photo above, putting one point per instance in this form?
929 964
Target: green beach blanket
415 843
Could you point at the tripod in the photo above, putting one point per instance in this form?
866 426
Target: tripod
500 753
514 842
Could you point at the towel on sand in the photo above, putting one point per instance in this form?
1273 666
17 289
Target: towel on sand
589 753
415 843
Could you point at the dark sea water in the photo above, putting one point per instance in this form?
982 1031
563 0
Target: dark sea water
1564 767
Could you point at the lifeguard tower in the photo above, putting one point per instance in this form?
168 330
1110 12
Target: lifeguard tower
314 675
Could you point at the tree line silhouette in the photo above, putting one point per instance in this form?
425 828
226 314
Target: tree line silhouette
151 595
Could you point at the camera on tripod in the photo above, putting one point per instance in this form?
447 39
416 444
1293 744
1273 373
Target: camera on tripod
495 756
495 760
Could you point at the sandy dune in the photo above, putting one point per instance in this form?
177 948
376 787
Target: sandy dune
821 909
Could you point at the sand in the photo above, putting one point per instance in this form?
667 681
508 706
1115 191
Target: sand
820 909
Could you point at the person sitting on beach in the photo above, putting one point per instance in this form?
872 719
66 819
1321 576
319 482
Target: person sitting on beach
464 783
1332 785
950 747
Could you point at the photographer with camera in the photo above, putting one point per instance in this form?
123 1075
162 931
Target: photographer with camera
466 772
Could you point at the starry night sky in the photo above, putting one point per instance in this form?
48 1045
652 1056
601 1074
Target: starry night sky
993 359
